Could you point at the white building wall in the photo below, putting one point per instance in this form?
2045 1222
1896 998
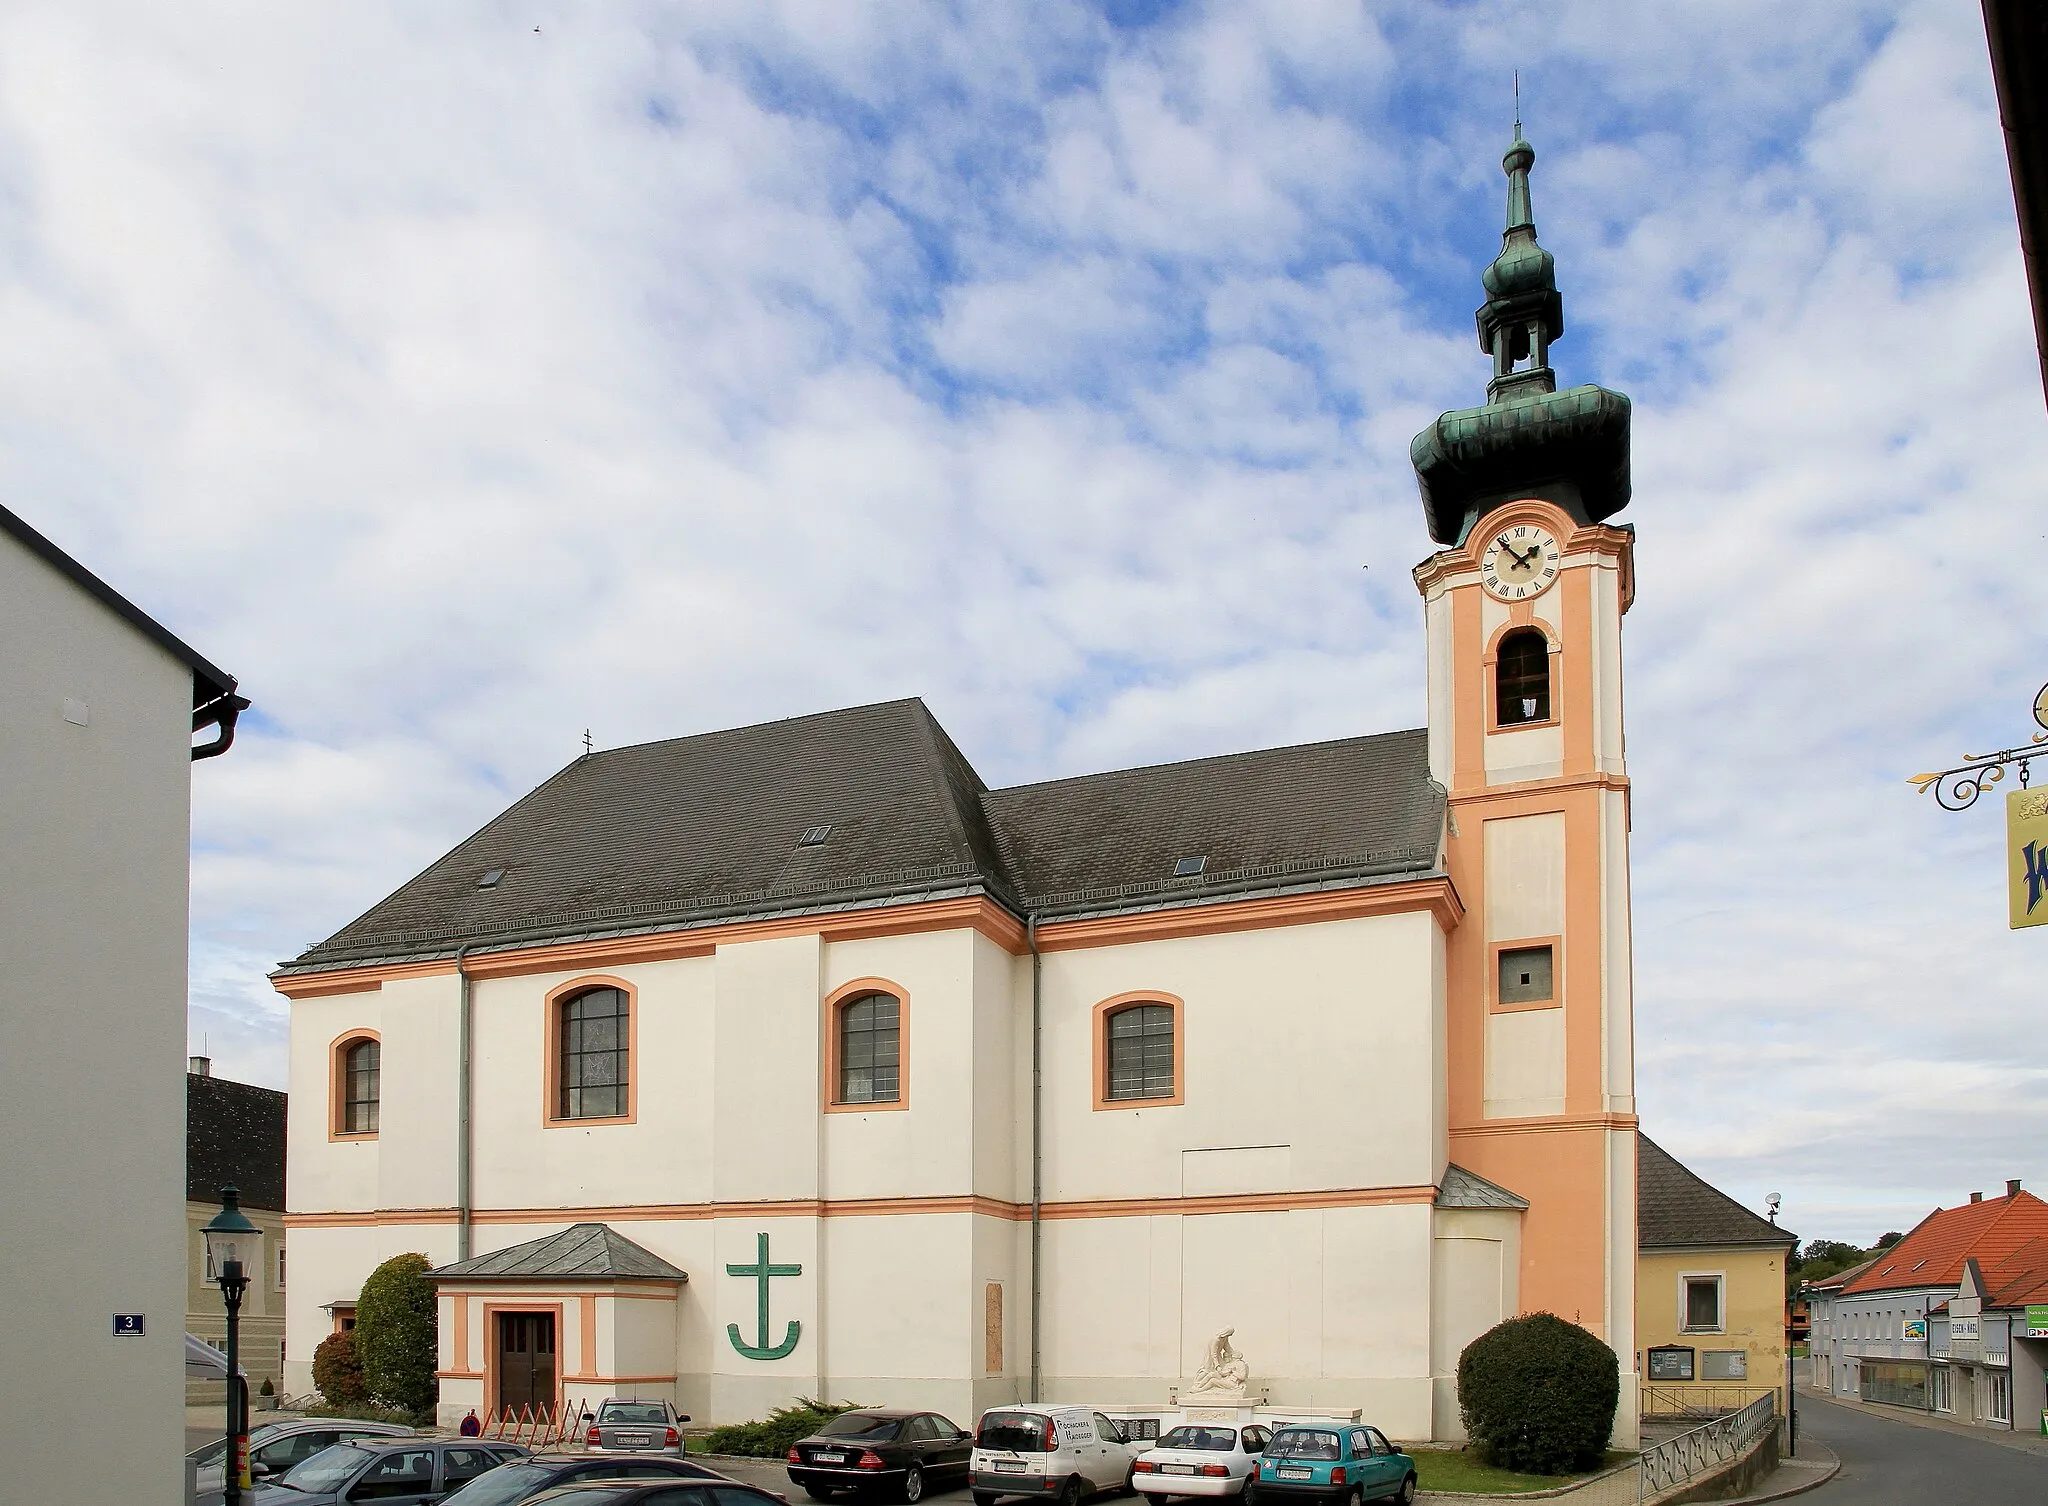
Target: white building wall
1312 1063
95 829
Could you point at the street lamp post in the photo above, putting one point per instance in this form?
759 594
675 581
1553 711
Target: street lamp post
227 1235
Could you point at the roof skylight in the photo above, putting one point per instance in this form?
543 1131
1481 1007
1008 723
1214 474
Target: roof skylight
1190 867
491 879
814 835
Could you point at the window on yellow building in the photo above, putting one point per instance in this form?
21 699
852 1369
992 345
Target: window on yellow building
1702 1304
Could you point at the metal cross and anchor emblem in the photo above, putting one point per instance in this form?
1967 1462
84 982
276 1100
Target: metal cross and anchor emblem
763 1272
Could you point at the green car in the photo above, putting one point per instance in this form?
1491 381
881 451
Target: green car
1340 1463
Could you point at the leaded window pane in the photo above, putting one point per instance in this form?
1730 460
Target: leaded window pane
870 1069
1141 1052
595 1069
360 1088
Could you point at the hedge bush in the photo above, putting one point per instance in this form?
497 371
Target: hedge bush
337 1373
396 1334
771 1436
1538 1395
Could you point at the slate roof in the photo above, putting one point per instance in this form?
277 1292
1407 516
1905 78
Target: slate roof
1676 1210
581 1252
1465 1189
1997 1232
234 1136
699 829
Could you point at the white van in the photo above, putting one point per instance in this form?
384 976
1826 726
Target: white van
1053 1453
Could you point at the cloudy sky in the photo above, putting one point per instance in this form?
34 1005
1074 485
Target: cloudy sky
463 376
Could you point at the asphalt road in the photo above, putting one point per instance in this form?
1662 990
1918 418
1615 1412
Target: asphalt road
1886 1463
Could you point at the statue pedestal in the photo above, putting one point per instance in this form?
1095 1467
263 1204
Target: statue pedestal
1235 1411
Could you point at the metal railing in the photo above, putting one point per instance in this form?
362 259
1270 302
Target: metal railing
1697 1400
1678 1460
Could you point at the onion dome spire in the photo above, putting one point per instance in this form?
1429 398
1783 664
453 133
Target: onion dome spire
1529 440
1523 312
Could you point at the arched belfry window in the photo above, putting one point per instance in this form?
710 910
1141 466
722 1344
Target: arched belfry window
870 1049
594 1074
1521 678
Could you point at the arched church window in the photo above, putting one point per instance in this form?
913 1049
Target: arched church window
361 1087
1521 678
595 1041
1140 1052
870 1049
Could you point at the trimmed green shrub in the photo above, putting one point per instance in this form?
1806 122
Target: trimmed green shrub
771 1437
396 1334
337 1374
1538 1395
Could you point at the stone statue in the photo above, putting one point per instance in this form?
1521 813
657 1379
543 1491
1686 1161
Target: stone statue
1224 1373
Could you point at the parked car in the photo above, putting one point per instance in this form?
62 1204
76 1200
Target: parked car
276 1446
1033 1450
882 1448
1200 1459
521 1480
398 1472
1339 1463
654 1493
636 1427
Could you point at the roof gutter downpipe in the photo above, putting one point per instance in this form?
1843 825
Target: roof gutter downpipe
1037 1139
463 1136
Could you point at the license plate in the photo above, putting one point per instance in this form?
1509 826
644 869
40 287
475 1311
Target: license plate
1295 1474
633 1440
824 1458
1176 1469
1010 1466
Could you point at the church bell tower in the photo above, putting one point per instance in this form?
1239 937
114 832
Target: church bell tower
1523 611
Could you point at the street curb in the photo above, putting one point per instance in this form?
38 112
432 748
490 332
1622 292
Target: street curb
1834 1468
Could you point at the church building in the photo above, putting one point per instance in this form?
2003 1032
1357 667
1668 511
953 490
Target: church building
792 1060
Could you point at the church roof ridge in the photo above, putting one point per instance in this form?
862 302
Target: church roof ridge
671 833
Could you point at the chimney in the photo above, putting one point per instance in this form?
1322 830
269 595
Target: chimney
199 1066
1976 1197
2012 1186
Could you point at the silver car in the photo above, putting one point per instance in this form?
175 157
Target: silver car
276 1446
636 1427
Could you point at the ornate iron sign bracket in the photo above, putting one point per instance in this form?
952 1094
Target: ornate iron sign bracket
1958 788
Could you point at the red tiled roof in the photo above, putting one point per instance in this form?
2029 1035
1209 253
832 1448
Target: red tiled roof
2020 1278
1995 1231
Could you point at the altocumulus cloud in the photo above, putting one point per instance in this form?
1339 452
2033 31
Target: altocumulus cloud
468 376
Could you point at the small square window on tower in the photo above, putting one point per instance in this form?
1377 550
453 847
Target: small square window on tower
1525 975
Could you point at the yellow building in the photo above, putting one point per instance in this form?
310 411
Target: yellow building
234 1136
1710 1293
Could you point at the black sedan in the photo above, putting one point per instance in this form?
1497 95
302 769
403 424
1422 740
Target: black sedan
882 1449
523 1479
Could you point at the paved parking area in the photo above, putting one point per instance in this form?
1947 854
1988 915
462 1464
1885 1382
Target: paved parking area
769 1474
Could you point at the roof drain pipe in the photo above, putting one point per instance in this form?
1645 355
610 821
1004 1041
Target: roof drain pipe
462 1126
1037 1139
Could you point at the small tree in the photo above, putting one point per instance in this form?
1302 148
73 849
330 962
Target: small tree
337 1375
1538 1395
397 1336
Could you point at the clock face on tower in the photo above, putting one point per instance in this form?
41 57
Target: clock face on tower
1519 562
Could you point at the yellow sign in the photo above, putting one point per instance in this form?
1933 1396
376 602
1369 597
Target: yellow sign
2026 863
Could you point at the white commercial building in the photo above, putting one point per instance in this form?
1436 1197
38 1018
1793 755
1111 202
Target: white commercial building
869 1081
98 705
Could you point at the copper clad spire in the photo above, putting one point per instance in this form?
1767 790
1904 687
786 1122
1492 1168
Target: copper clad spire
1529 439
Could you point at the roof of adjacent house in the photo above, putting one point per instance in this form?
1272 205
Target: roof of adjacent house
208 682
234 1137
581 1252
1464 1189
1842 1278
695 830
1998 1232
1677 1210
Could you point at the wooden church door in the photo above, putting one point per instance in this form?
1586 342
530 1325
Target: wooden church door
526 1362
